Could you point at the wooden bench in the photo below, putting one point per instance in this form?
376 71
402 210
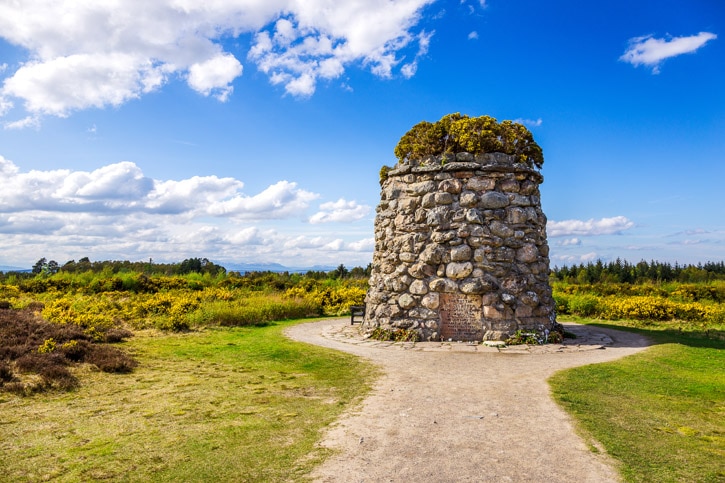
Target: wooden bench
357 311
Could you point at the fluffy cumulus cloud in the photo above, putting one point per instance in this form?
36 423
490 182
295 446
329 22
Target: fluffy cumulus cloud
651 52
122 50
122 188
116 211
341 211
604 226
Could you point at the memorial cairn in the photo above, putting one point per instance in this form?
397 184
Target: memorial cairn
460 238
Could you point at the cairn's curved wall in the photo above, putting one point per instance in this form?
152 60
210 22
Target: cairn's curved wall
461 251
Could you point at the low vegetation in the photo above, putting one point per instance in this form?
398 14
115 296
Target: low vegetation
394 335
36 355
680 299
111 297
208 389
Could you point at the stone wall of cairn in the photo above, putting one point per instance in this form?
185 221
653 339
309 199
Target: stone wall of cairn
461 251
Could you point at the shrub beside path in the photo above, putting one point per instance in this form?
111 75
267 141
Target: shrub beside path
454 412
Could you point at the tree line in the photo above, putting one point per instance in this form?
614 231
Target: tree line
622 271
190 265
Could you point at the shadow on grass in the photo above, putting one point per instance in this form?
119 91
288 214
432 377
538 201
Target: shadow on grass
657 334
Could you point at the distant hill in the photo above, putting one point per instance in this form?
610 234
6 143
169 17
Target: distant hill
8 268
273 267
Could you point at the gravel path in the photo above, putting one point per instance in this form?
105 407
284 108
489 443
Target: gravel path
454 412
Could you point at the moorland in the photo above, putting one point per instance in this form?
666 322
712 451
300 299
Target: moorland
168 372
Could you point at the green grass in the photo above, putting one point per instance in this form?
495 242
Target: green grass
224 404
661 413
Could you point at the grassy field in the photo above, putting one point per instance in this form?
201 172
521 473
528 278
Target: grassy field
246 404
661 413
218 404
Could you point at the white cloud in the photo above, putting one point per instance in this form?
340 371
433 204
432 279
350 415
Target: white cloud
119 51
215 74
471 8
60 85
340 211
569 242
409 70
335 245
473 35
117 212
604 226
122 189
28 121
529 122
364 245
302 241
587 257
281 200
694 231
250 236
651 52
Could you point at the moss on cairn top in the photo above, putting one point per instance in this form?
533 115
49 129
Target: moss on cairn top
455 133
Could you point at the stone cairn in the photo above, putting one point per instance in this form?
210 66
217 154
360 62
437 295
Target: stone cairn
461 251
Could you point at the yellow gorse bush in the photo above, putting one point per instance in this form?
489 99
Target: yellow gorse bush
331 300
637 307
83 311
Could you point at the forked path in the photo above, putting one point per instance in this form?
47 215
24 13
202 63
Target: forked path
453 412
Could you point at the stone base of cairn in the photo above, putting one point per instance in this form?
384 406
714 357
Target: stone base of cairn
461 251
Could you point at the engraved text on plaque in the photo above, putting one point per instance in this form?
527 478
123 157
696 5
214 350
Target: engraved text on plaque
461 317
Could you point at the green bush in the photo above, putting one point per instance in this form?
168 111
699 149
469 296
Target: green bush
455 133
584 305
562 303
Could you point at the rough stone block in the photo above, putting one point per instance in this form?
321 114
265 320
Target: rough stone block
492 200
443 198
418 287
457 270
480 184
468 199
452 186
406 301
461 253
443 285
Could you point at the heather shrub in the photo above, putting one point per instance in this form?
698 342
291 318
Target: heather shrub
110 359
42 352
6 373
116 334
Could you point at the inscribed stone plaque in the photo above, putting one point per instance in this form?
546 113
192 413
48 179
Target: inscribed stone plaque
461 317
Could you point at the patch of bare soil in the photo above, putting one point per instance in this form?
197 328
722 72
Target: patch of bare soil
454 412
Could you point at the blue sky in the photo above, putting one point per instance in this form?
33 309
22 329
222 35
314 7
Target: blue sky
247 131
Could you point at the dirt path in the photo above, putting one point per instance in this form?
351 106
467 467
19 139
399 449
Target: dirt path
453 412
